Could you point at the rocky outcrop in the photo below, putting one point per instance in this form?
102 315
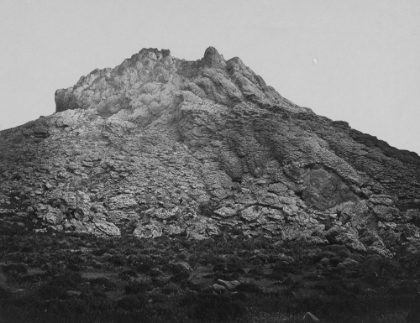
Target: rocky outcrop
161 146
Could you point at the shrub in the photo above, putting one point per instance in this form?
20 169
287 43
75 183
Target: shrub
14 269
57 287
4 293
73 267
210 307
99 252
180 277
248 288
103 282
136 287
69 307
235 268
33 278
223 276
170 288
142 264
132 303
127 274
286 268
117 260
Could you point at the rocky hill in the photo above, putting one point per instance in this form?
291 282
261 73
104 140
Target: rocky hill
162 146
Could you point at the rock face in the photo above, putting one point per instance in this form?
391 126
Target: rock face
161 146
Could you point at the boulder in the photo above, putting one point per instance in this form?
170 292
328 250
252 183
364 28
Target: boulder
225 212
345 235
107 229
150 230
229 284
180 267
121 202
385 213
251 213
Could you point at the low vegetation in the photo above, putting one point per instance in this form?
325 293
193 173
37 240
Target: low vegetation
57 277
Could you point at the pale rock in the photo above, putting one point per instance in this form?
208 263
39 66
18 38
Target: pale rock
172 230
226 212
49 214
200 229
219 288
385 213
382 199
277 188
412 215
251 213
121 202
152 230
231 284
165 214
346 236
107 228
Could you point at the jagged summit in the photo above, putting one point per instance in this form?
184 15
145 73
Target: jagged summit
162 146
125 86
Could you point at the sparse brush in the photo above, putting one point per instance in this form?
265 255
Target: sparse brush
214 308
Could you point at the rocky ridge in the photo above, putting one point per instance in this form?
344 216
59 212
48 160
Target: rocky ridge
162 146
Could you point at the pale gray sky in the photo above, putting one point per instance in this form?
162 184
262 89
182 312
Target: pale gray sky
352 60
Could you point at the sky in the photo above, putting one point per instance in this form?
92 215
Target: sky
351 60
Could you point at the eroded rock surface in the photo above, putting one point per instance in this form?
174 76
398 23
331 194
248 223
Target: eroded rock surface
162 146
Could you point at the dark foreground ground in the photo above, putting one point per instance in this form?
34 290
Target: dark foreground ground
57 277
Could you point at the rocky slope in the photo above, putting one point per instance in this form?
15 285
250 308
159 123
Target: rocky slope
162 146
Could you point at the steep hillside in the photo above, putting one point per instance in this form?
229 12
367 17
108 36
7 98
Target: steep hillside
162 146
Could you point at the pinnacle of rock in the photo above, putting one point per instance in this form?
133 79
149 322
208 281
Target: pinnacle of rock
213 59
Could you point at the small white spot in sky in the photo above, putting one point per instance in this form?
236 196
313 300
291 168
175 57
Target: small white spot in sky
315 61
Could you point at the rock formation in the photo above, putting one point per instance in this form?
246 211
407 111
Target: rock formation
162 146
